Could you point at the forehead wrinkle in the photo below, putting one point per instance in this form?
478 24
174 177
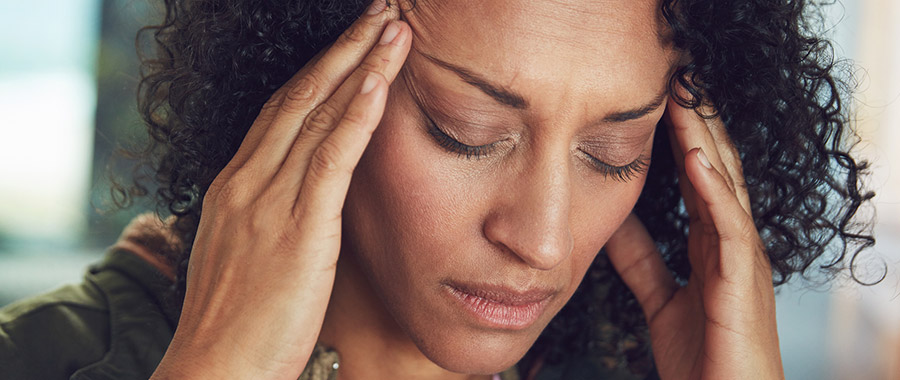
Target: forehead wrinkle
571 21
573 18
500 92
574 22
419 17
438 31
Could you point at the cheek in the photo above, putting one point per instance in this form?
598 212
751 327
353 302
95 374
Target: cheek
594 220
406 209
597 212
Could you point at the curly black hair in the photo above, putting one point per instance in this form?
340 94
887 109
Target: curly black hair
762 64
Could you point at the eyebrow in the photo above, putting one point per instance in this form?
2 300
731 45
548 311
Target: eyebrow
637 113
511 99
500 94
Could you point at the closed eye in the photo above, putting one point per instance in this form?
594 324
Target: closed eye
454 146
622 173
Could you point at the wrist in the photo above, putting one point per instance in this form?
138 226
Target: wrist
195 360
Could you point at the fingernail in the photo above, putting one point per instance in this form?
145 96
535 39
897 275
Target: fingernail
368 84
703 159
377 7
390 33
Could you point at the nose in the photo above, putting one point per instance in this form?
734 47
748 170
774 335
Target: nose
531 216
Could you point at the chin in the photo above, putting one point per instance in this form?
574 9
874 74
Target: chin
457 343
473 352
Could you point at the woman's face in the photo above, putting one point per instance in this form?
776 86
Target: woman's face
513 145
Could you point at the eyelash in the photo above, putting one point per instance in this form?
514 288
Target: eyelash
619 173
454 146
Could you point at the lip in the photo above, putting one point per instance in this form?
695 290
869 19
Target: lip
498 306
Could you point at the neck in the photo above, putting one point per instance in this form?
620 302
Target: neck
370 343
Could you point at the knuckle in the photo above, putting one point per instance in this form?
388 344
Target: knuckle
216 185
226 196
325 162
638 265
373 64
273 104
321 119
355 34
303 92
354 118
235 193
256 221
658 295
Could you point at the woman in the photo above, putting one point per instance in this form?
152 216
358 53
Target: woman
428 193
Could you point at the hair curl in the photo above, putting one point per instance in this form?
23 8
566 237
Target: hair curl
760 64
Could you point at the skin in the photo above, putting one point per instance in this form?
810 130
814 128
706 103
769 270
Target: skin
533 213
319 202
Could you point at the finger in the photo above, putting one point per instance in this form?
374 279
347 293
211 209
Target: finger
321 197
732 161
635 257
734 228
385 61
692 131
310 86
687 190
697 213
263 121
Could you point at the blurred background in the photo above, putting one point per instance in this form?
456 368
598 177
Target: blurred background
68 73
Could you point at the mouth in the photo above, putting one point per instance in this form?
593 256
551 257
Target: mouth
500 307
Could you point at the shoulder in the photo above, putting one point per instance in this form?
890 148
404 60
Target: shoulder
111 325
54 332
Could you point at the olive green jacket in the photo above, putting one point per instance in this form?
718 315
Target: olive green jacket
113 325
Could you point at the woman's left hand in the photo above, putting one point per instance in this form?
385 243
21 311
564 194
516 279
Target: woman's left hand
721 324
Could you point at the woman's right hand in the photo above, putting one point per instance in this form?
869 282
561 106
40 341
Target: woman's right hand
263 262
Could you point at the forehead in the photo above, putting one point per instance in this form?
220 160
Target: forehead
584 47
